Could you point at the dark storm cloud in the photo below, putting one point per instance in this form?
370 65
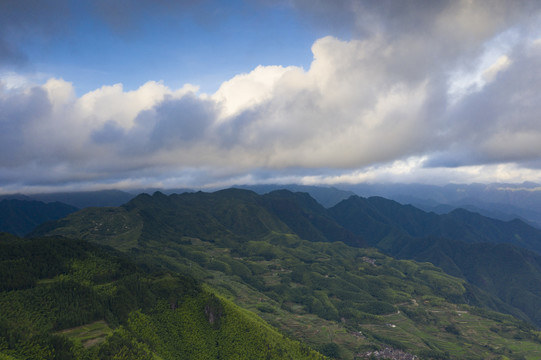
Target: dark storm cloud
171 124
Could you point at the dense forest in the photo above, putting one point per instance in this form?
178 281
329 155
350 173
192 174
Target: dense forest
69 299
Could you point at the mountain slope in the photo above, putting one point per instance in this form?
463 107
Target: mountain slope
375 218
83 199
326 196
19 217
500 199
510 273
67 299
244 246
490 254
226 214
307 218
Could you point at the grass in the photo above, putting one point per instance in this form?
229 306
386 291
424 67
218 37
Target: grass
88 335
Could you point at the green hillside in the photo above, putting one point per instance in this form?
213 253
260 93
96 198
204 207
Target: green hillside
344 301
68 299
495 256
511 274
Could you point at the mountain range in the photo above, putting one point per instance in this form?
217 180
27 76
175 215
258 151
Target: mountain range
497 200
304 267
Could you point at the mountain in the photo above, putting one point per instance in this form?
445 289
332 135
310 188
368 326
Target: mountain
83 199
78 199
498 200
326 196
375 218
284 256
19 217
226 214
70 299
307 218
511 274
15 196
494 255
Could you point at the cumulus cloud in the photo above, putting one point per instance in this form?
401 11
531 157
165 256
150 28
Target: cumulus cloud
247 90
376 104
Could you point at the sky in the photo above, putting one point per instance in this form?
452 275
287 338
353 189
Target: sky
101 94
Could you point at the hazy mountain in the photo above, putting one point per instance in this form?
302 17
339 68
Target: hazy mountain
15 197
326 196
375 218
19 217
164 191
83 199
501 201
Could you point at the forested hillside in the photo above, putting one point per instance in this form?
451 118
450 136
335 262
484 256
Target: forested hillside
286 258
376 218
69 299
500 257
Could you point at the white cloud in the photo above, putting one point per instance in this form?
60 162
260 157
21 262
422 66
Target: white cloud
247 90
367 109
492 71
112 103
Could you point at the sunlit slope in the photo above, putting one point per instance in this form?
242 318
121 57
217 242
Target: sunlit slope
67 299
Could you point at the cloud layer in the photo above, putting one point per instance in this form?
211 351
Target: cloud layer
442 90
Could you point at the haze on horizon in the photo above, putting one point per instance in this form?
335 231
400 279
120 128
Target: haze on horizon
131 94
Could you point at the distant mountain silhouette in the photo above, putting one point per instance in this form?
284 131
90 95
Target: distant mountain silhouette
19 217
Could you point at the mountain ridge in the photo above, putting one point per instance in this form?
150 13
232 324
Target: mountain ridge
235 215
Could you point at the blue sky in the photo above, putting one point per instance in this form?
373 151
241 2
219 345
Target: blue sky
130 94
203 43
